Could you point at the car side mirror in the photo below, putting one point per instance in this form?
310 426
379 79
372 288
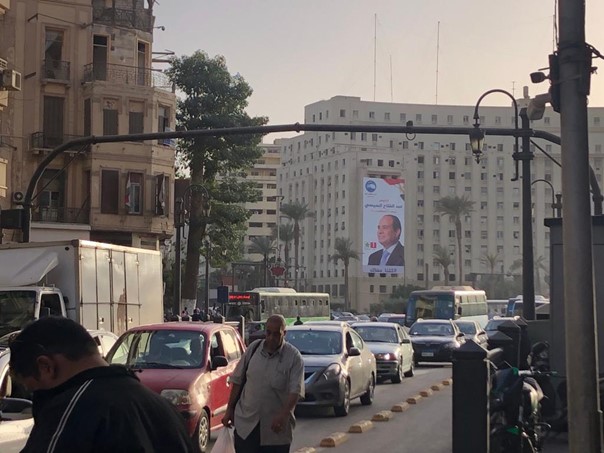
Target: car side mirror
219 361
461 335
406 341
354 352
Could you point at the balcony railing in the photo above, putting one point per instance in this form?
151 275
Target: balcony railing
139 18
61 215
127 75
42 140
56 70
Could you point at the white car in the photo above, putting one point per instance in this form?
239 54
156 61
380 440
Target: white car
16 420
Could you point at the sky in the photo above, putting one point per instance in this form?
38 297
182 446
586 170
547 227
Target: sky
294 52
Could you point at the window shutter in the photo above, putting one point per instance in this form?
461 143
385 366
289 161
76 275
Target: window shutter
109 191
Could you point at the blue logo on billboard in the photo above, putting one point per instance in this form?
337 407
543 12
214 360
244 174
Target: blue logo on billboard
370 186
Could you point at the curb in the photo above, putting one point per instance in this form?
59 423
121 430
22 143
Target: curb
400 407
382 416
334 439
360 427
414 399
426 393
437 387
447 381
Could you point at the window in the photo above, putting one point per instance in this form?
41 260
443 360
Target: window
51 197
136 118
342 113
355 113
418 118
387 116
372 115
134 193
434 119
232 350
53 54
53 121
382 289
110 117
374 137
403 117
161 194
3 180
109 191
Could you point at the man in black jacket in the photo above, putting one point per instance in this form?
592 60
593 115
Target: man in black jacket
82 404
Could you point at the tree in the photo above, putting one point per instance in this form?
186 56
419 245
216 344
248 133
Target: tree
286 235
263 245
490 260
213 98
442 257
456 207
297 212
345 253
539 265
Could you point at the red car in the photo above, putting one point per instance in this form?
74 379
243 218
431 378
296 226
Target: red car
188 364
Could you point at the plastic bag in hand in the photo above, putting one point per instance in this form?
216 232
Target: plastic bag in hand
225 443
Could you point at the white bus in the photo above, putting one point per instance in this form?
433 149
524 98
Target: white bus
447 302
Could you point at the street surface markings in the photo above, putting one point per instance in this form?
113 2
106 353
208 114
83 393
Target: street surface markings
361 427
334 439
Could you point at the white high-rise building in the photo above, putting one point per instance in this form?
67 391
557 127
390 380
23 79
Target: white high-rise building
325 170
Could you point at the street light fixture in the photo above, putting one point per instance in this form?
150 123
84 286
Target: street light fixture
555 206
180 214
476 139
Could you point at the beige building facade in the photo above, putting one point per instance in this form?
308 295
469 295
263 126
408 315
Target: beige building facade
326 170
87 70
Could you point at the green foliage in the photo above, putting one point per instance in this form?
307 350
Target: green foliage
344 251
212 98
442 257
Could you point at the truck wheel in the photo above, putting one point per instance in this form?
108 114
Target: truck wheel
202 433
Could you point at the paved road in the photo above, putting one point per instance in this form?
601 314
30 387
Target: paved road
314 424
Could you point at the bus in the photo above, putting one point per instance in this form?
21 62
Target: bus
514 307
497 307
447 302
260 303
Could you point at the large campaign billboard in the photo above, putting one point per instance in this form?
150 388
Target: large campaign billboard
383 225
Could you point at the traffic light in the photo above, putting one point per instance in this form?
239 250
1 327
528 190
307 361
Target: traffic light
222 294
554 79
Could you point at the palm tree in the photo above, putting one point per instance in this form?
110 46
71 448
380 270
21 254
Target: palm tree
456 207
296 211
345 252
490 260
442 257
263 245
286 235
539 265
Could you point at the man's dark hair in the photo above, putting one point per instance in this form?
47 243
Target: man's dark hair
48 336
396 223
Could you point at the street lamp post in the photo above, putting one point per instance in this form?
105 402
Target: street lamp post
179 223
476 142
555 206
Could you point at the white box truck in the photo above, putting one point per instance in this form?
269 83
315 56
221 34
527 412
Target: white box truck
101 286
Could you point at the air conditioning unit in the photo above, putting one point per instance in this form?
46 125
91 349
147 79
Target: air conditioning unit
18 197
11 80
3 64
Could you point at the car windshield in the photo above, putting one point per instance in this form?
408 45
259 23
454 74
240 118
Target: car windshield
432 329
493 324
377 334
159 349
468 328
315 342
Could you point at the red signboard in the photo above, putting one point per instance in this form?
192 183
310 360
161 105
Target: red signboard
277 271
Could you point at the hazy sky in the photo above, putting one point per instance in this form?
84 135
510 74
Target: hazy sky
295 52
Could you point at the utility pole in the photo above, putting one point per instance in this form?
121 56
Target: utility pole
584 418
528 277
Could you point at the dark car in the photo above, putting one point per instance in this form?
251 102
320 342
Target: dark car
188 364
472 331
338 366
434 340
494 323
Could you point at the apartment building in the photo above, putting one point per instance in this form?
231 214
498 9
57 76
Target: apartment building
87 70
5 146
265 211
326 171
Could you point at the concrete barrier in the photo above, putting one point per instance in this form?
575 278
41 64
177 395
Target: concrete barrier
382 416
400 407
426 393
334 439
360 427
414 399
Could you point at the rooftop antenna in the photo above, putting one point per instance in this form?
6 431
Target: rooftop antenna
437 52
374 51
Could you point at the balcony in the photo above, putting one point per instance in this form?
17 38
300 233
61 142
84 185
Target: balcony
40 141
56 70
139 18
61 215
127 75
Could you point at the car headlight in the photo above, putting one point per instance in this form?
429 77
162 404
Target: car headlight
386 356
177 397
332 371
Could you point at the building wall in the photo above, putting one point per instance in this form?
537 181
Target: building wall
326 169
116 94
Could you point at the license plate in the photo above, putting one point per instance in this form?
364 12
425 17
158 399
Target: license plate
427 354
